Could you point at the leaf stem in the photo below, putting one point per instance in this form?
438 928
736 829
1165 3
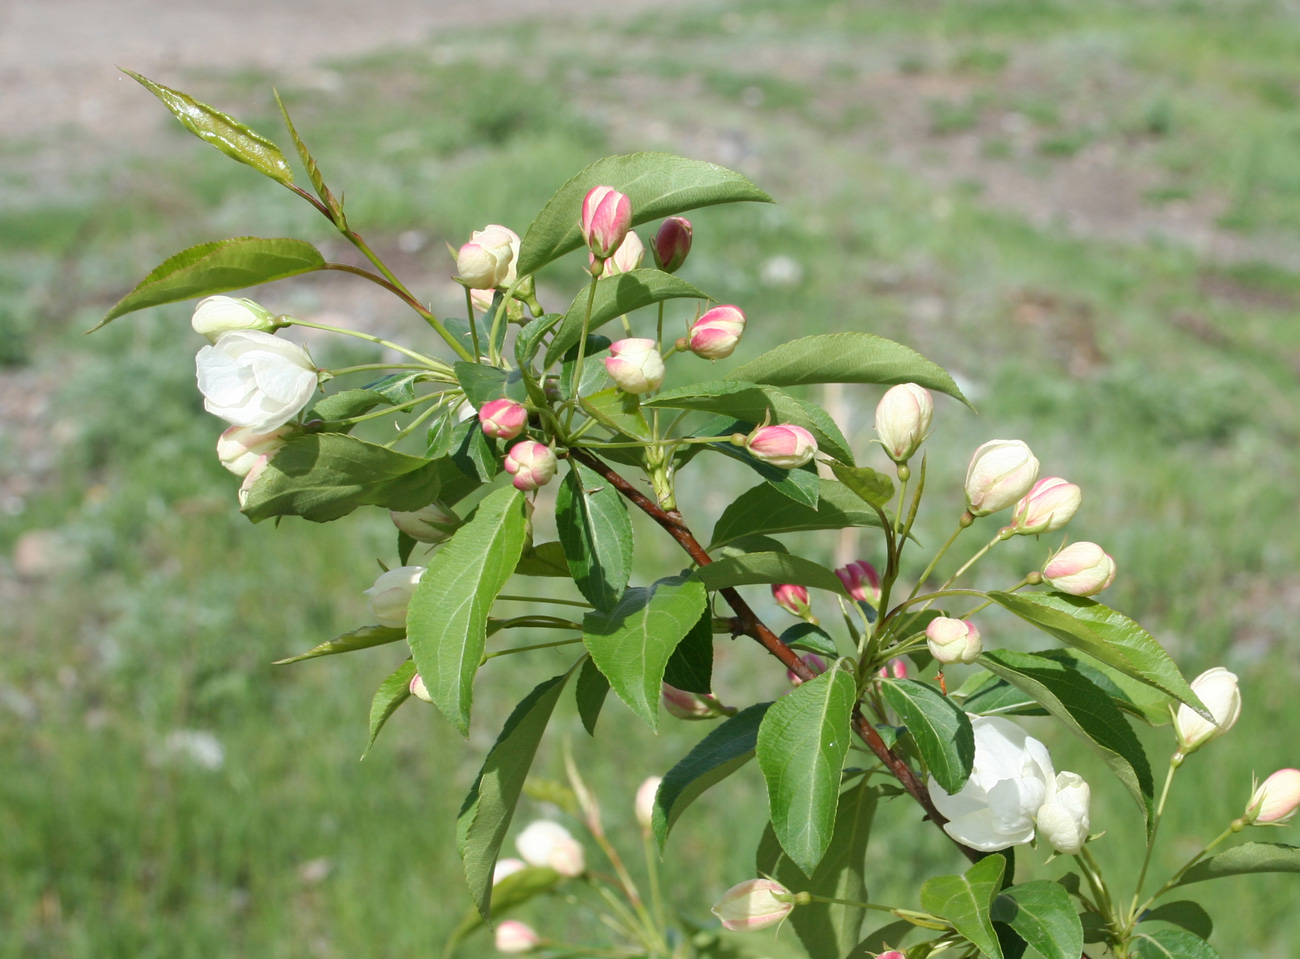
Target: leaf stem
428 362
547 599
529 649
582 343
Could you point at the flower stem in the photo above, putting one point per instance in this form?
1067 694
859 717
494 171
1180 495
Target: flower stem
529 649
582 343
427 361
473 324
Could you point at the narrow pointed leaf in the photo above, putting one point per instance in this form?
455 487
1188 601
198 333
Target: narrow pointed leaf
802 745
875 489
750 568
392 692
1250 857
313 170
1042 914
446 622
967 901
590 690
812 639
529 339
1170 944
596 533
939 727
763 511
690 667
616 295
619 411
363 638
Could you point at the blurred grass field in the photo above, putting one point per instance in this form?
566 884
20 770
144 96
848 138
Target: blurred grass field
1088 212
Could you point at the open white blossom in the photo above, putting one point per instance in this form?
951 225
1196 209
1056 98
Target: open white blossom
254 379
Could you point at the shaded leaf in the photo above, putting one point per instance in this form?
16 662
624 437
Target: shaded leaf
544 559
590 690
812 639
596 533
1042 915
392 692
690 667
512 891
750 568
763 511
940 729
1190 915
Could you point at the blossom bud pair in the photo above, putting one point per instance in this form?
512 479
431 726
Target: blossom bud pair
794 600
488 259
392 593
605 219
635 365
861 581
239 447
903 420
547 843
1046 508
532 464
434 524
626 258
1081 569
215 315
1217 689
784 446
715 334
1276 799
754 904
953 640
1000 472
503 419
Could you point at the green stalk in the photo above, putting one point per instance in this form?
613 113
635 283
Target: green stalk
582 344
428 362
473 325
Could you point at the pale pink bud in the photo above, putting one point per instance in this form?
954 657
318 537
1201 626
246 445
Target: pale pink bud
891 954
1217 689
896 669
419 690
715 334
784 446
214 315
861 581
953 640
645 802
672 243
754 904
1277 798
793 599
532 464
547 843
514 937
255 473
392 593
488 259
606 217
1081 569
433 524
635 365
1000 472
506 867
504 419
626 258
683 705
902 420
814 663
239 447
1047 507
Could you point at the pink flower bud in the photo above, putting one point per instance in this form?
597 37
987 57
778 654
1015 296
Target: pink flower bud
813 662
953 640
433 524
861 580
896 669
506 867
672 243
239 447
891 954
504 419
547 843
1047 507
1081 569
513 937
645 802
392 593
532 464
715 334
787 447
626 258
419 690
488 259
684 705
794 600
606 217
635 365
902 420
1000 472
1217 689
1277 798
754 904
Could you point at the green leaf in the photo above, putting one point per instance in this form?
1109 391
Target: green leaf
846 358
802 745
1190 915
322 476
1104 634
874 489
594 374
690 667
829 931
530 337
750 568
473 453
218 267
313 171
1041 914
616 295
763 511
512 891
801 485
392 692
490 805
363 638
596 533
396 388
590 690
446 622
658 184
544 559
619 411
344 405
939 727
725 749
1250 857
966 902
1086 710
1170 944
812 639
483 383
986 695
225 133
631 643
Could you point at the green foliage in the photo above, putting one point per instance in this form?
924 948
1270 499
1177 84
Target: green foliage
596 533
1042 915
940 729
614 296
394 691
1250 857
363 638
1171 944
750 568
967 902
762 511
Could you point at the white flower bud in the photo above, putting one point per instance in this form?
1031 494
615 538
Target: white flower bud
784 446
488 259
506 867
1063 819
419 690
514 937
953 640
433 524
1217 689
239 447
902 420
1000 472
547 843
215 315
635 365
754 904
1081 569
392 593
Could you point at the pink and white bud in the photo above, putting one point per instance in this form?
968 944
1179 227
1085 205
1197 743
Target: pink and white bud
861 581
783 446
214 315
1276 800
794 600
514 937
645 802
506 867
1217 689
635 365
1047 507
433 524
251 477
814 663
626 258
891 954
715 334
488 259
953 640
392 593
503 419
1063 820
419 690
547 843
903 420
672 243
1000 472
897 669
1081 569
239 447
532 464
605 219
754 904
683 705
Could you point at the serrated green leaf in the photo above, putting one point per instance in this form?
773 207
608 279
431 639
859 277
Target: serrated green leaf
763 511
530 337
1106 635
1250 857
1185 913
812 639
363 638
446 621
967 901
218 267
658 185
619 411
544 559
510 892
594 375
392 692
986 695
725 749
590 690
1041 914
1170 944
939 727
596 533
616 295
690 667
490 805
846 358
227 134
631 643
874 489
473 453
396 387
344 405
483 383
802 744
750 568
313 170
